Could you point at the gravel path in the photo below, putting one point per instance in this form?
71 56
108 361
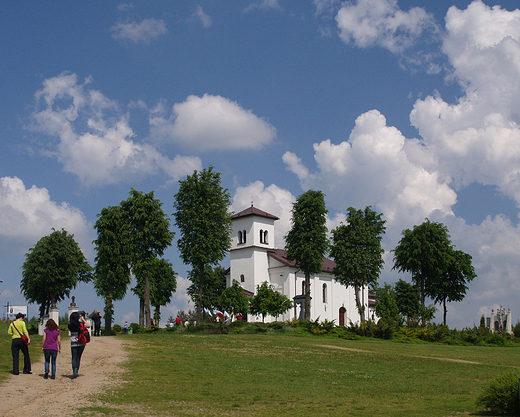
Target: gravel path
33 395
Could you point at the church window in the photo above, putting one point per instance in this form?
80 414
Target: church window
243 236
239 236
261 236
242 278
324 289
265 237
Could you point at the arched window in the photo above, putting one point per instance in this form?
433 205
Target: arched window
239 237
243 236
265 237
242 278
324 290
261 236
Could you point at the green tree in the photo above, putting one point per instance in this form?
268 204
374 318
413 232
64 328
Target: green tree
425 253
357 251
386 305
452 284
52 268
214 286
306 243
163 283
408 298
233 300
202 216
149 236
112 269
268 302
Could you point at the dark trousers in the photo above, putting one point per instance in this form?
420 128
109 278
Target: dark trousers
97 328
76 352
16 346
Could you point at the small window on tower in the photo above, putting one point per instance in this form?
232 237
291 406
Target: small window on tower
243 236
242 278
239 237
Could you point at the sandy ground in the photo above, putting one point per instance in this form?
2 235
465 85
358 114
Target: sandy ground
33 395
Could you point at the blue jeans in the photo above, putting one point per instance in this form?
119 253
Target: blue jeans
76 352
50 356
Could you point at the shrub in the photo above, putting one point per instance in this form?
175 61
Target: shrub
135 327
516 329
501 395
117 328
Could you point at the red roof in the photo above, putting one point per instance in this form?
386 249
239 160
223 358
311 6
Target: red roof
253 211
281 256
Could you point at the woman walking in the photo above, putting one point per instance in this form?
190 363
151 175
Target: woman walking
51 346
76 348
17 328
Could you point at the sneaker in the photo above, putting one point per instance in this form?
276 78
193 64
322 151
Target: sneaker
53 377
46 375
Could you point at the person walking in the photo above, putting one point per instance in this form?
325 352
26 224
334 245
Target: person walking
76 348
51 346
96 318
17 328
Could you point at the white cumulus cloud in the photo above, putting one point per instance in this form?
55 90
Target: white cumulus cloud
211 123
29 214
94 139
382 23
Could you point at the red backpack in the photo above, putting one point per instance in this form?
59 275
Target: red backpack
83 334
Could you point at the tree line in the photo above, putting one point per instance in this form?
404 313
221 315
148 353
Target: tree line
132 238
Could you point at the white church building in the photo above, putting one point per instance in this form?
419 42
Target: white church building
254 260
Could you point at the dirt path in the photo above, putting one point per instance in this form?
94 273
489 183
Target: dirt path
33 395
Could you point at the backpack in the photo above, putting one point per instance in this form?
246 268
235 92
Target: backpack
83 334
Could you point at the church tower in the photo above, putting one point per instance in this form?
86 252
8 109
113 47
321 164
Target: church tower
252 237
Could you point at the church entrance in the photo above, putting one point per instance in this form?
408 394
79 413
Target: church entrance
342 312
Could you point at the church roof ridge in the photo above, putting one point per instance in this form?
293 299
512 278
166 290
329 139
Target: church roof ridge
253 211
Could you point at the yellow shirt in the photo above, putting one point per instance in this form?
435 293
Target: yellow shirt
20 325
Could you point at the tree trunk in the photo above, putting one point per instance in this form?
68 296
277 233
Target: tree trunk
109 310
147 308
157 315
360 307
200 307
445 311
141 312
42 310
307 295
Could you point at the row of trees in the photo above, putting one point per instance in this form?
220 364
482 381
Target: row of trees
426 252
133 236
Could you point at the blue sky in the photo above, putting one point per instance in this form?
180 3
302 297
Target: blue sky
411 107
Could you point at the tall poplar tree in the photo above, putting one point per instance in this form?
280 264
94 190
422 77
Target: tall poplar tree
307 243
357 251
112 269
149 236
201 214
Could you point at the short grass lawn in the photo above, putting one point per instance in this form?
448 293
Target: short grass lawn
279 375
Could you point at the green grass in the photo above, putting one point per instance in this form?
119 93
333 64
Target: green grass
280 375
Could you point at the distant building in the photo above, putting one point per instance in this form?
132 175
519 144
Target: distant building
254 260
500 321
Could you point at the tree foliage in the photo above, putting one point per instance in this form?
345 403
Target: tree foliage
163 283
233 300
386 305
112 269
52 268
149 236
214 286
268 302
424 252
408 298
202 216
440 271
357 251
307 243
